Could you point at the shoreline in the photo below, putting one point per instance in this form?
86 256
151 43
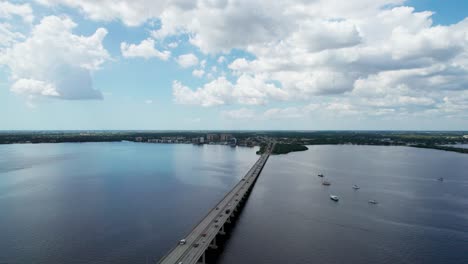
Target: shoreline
287 141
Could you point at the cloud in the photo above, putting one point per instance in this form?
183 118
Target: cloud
173 45
9 10
131 13
8 36
54 62
242 113
148 101
34 87
214 93
145 50
217 26
198 73
248 90
187 60
279 113
324 109
221 59
315 36
368 55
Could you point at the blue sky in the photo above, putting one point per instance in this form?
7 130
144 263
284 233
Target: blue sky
386 64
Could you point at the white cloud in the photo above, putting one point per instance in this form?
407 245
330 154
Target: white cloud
145 50
221 59
203 64
198 73
249 90
34 87
214 93
8 10
242 113
324 109
173 45
8 36
131 13
187 60
321 35
54 62
289 112
373 55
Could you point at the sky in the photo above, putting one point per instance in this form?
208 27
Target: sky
234 65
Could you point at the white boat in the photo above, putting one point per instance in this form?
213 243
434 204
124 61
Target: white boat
334 198
373 202
355 187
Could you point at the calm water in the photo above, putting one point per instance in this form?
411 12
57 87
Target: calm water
108 202
465 146
130 202
289 217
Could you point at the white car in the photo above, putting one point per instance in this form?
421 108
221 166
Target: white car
182 242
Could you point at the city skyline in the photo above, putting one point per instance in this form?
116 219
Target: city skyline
233 65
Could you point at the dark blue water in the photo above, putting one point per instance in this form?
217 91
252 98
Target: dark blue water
289 217
130 202
108 202
465 146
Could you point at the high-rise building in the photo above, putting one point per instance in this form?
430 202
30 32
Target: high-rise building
225 137
212 137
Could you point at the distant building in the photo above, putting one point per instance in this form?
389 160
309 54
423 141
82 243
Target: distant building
198 140
212 137
465 136
138 139
225 137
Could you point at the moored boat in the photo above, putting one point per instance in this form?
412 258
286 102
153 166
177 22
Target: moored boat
334 198
326 183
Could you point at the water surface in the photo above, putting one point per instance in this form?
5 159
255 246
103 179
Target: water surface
465 146
108 202
289 217
130 202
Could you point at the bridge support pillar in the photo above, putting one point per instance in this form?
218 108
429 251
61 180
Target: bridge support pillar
202 259
221 231
213 244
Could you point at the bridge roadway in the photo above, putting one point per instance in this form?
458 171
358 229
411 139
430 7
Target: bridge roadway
203 235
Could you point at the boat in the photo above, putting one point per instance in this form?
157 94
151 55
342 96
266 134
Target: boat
334 198
355 187
326 183
440 179
320 175
373 202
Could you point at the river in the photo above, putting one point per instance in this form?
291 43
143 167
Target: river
130 202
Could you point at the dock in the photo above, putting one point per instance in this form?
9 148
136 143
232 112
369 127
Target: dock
203 236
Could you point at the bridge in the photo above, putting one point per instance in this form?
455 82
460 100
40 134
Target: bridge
192 249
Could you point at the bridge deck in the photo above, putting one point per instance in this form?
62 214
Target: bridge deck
204 233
